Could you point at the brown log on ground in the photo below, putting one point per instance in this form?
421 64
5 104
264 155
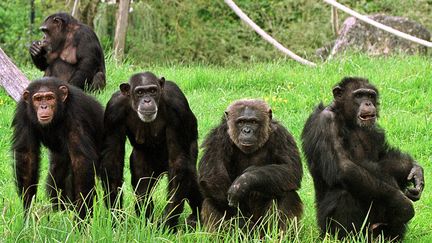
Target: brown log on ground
11 78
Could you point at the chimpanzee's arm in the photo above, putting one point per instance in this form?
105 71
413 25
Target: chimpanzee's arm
26 152
281 175
85 160
404 169
37 54
213 175
182 176
114 147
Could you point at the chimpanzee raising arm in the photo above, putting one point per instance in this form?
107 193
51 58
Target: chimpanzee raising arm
155 116
69 123
249 160
70 51
354 169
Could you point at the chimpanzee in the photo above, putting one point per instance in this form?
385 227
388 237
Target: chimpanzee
70 51
249 161
69 123
357 175
156 118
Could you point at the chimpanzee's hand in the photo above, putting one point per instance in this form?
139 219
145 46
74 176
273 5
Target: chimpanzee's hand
417 177
238 190
36 48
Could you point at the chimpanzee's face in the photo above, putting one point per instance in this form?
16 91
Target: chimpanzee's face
45 102
145 92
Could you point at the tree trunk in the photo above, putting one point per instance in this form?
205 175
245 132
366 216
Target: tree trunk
75 9
335 21
121 28
11 78
84 10
88 11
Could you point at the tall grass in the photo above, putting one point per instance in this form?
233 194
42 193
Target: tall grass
292 90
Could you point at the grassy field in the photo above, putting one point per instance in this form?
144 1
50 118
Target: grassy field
292 91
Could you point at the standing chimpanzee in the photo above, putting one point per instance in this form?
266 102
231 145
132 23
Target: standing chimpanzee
69 123
155 115
357 175
249 160
70 51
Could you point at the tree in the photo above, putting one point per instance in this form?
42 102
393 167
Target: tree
11 78
121 28
85 11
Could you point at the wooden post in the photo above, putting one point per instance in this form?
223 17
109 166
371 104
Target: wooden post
121 28
75 9
11 78
335 21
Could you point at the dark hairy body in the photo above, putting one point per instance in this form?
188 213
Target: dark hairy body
70 124
357 175
155 116
70 51
249 162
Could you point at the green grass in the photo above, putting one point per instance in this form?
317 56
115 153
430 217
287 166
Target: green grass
292 90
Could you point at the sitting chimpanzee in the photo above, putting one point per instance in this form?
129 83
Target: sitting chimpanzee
70 51
249 161
69 123
155 116
357 175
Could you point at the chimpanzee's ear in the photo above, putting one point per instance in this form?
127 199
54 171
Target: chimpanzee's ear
64 91
270 113
162 82
337 92
26 96
125 89
58 20
226 115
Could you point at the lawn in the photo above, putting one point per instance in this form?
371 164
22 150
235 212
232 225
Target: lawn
292 90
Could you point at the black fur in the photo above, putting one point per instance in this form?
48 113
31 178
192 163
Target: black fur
71 53
354 169
73 138
166 144
229 177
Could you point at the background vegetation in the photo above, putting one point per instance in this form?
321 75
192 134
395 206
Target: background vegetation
202 31
292 90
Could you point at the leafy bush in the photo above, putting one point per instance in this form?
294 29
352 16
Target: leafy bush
202 31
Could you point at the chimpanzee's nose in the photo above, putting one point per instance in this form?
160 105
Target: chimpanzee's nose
246 130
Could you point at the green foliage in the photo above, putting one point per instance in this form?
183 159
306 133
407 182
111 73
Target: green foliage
292 90
202 31
14 29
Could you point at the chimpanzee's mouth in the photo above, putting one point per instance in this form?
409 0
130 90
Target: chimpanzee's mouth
147 112
147 116
367 117
44 118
